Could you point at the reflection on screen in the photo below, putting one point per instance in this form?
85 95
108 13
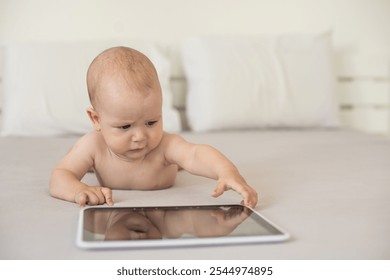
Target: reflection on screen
172 222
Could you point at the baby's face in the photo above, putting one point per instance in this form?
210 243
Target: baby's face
130 121
132 226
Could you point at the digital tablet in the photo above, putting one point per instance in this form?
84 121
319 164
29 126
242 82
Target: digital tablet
138 227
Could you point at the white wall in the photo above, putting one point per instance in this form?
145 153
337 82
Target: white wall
361 26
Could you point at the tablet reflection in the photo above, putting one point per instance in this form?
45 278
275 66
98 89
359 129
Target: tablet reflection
151 223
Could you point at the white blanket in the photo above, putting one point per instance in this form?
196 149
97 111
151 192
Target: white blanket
329 189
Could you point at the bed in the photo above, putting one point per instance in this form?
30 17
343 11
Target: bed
326 185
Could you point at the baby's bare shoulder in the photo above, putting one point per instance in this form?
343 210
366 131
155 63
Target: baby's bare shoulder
81 155
170 139
90 142
86 139
175 146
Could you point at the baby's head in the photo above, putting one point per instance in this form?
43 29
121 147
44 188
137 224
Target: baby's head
121 65
131 226
126 100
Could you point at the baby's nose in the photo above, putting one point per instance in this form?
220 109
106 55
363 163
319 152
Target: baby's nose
138 135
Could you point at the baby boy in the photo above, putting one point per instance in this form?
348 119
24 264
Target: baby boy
128 148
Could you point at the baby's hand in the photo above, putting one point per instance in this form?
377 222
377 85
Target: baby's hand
94 195
237 183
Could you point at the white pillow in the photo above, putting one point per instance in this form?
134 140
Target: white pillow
252 82
44 86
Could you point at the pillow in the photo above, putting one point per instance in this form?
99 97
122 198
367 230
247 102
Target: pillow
252 82
45 92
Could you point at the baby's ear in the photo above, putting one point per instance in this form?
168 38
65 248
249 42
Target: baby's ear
94 117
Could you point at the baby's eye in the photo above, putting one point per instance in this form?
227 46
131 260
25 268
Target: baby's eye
127 126
151 123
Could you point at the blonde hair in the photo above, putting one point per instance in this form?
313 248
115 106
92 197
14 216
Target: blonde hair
129 64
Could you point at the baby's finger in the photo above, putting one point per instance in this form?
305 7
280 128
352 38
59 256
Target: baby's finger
220 189
93 198
248 203
108 196
250 200
96 196
81 199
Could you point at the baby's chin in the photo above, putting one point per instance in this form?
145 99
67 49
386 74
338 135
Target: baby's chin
132 155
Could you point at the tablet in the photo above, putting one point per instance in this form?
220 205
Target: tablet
139 227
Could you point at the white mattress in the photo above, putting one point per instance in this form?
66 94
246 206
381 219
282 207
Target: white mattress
329 189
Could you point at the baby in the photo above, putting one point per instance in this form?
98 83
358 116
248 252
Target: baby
128 148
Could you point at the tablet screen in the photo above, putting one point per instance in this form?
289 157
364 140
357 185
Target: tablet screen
177 225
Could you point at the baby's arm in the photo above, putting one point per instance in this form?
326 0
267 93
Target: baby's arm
65 181
206 161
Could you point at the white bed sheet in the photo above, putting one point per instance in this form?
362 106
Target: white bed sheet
330 189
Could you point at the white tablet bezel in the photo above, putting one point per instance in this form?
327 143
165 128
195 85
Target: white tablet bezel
203 241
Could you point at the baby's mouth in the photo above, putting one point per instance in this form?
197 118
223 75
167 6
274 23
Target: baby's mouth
137 150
